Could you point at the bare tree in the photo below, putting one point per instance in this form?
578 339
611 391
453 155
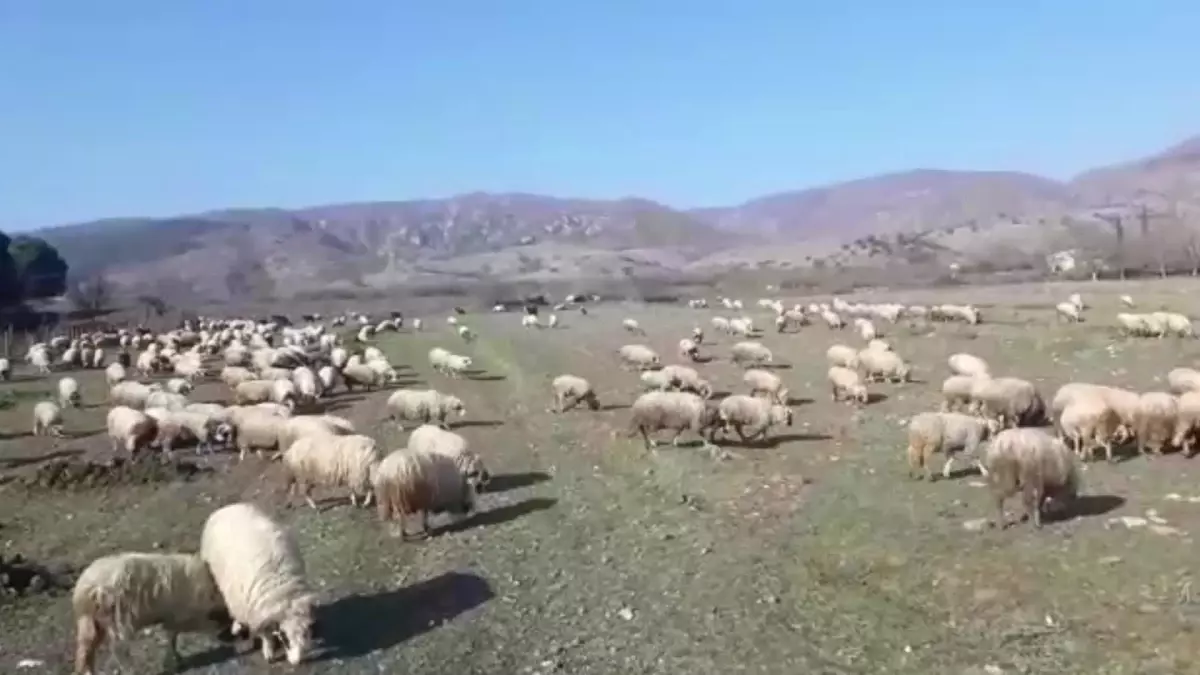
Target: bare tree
152 305
92 295
1117 222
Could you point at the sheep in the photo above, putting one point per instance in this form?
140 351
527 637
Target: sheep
201 427
408 482
5 369
766 382
754 353
640 357
165 399
698 335
1010 401
866 330
655 380
40 359
688 349
883 366
312 425
423 405
130 429
456 365
1075 300
720 324
879 345
431 438
361 375
530 321
1187 422
673 410
283 392
257 565
841 355
683 378
329 377
257 430
1157 413
1183 380
1034 463
945 432
1127 301
1067 311
117 595
1178 324
469 335
956 392
232 376
331 461
68 392
305 384
967 364
570 390
754 415
832 320
273 408
632 326
179 385
47 419
1088 422
846 385
743 327
131 394
253 391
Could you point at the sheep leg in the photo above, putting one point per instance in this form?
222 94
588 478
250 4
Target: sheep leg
1031 497
171 660
948 466
89 636
353 499
268 647
305 492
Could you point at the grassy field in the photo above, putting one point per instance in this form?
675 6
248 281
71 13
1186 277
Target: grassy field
812 554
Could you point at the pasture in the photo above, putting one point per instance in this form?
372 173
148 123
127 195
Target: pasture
811 553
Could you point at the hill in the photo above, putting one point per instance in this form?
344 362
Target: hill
915 216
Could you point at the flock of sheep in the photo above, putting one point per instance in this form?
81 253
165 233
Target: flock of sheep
248 577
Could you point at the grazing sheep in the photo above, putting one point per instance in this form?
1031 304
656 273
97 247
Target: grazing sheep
6 370
866 330
640 357
1157 413
257 430
306 386
114 373
683 378
47 419
1127 301
1089 422
40 359
552 322
165 399
361 375
697 335
232 376
766 382
257 565
879 345
130 429
968 364
431 438
283 392
946 432
655 380
329 377
407 482
720 324
841 355
1010 401
632 326
312 425
1183 380
273 408
1067 311
752 417
743 327
672 410
456 365
570 390
688 349
530 321
1034 463
424 406
1187 422
1076 300
469 335
331 461
253 391
1177 324
179 385
131 394
753 353
118 595
846 385
68 393
956 392
883 365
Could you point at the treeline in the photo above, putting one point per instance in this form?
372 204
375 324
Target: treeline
30 269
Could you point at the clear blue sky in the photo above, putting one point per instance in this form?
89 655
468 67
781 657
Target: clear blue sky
150 107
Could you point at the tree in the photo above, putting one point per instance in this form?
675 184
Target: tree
92 295
10 279
1117 221
42 271
152 305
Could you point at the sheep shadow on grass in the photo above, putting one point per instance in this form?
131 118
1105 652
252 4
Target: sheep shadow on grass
513 481
772 441
499 515
465 424
1085 506
876 397
363 623
483 376
796 401
607 407
774 366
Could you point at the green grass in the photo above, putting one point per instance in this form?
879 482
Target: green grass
813 554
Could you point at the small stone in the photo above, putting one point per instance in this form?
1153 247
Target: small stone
1110 560
975 524
625 613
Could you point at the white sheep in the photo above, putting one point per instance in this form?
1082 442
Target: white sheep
552 321
179 385
1089 422
752 353
766 382
204 429
407 483
841 355
880 365
688 349
131 394
1068 311
456 365
130 429
1182 380
165 399
361 375
5 369
257 430
632 326
752 417
684 378
672 410
432 438
423 406
956 392
466 334
1034 463
47 419
1011 401
930 433
640 357
570 390
967 364
846 385
118 595
1127 301
326 460
68 392
1157 414
257 565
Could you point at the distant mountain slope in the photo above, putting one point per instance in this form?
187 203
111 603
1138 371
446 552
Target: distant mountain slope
482 235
